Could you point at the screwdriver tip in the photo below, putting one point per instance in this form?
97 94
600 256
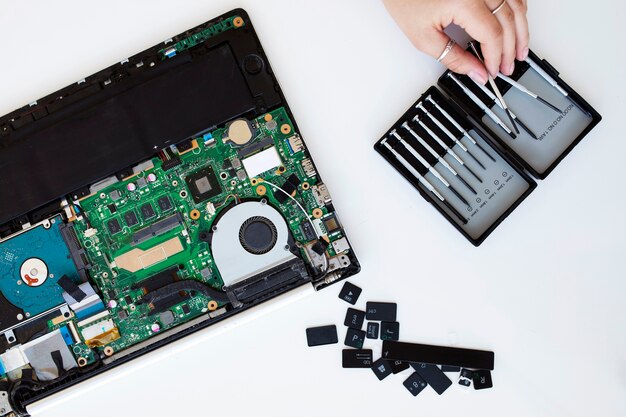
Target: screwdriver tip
552 106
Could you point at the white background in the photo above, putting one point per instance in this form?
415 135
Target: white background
546 291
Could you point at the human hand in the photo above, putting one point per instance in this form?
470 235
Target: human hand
503 36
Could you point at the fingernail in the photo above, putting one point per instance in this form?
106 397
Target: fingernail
525 53
511 68
478 77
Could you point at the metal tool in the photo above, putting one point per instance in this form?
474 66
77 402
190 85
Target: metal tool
459 127
449 134
519 122
495 89
448 150
525 90
482 106
443 162
424 181
553 83
430 168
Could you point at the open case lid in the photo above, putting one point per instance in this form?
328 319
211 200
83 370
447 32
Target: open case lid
481 194
100 126
503 172
557 133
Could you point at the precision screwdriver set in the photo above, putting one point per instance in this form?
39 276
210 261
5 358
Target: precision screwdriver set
475 152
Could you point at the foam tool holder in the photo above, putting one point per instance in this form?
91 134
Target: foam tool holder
457 146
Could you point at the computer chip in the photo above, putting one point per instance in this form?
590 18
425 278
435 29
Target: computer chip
115 195
165 204
114 226
112 208
331 223
203 184
141 182
131 219
147 211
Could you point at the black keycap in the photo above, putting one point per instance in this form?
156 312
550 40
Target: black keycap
390 330
356 358
350 293
382 369
323 335
465 377
415 384
448 368
354 318
372 330
381 311
440 355
398 366
433 376
482 379
355 338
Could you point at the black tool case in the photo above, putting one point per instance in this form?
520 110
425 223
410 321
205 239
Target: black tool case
501 171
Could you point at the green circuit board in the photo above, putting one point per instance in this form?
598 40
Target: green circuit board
233 22
176 237
159 206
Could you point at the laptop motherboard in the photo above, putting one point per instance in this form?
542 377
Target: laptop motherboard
219 222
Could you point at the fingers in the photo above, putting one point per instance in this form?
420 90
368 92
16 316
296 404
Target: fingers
462 62
426 33
458 60
504 15
522 38
503 36
483 26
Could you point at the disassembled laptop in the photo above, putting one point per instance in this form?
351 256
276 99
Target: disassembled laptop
173 190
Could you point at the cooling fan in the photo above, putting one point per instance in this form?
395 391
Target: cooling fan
248 239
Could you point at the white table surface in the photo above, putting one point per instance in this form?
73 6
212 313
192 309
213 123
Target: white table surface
546 292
